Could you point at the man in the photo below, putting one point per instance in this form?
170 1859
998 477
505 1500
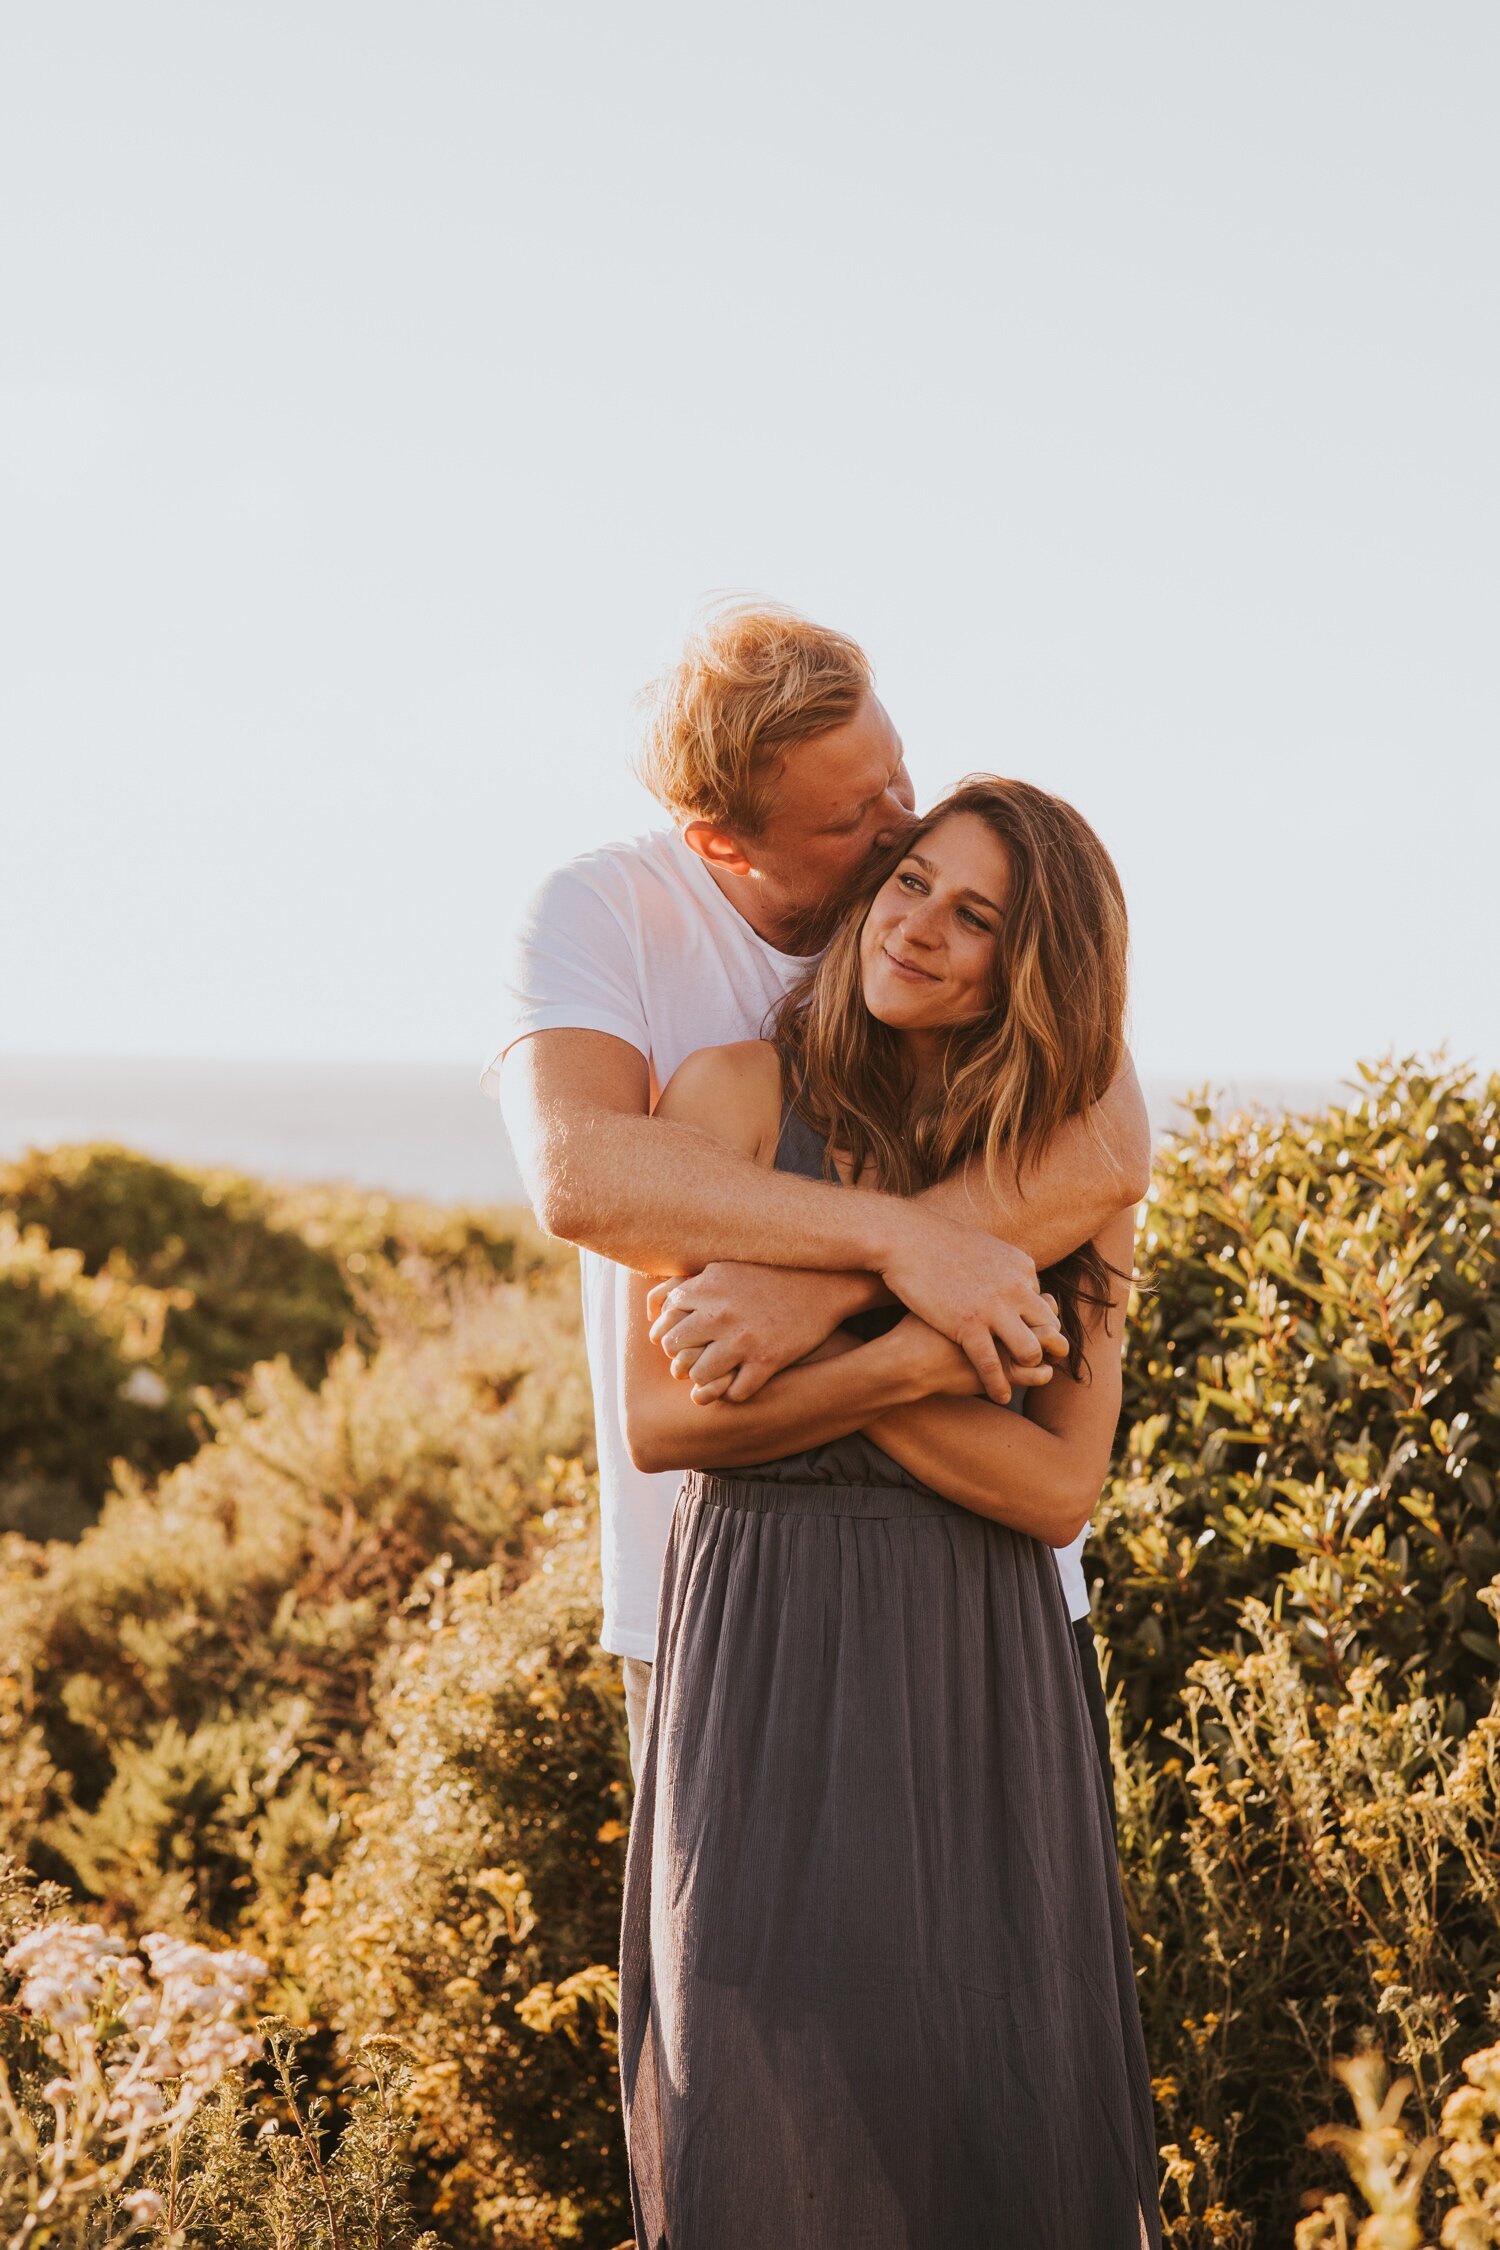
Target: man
783 773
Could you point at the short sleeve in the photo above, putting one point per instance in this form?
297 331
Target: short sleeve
571 968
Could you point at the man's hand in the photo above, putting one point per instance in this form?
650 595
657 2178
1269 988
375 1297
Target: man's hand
732 1327
980 1293
729 1329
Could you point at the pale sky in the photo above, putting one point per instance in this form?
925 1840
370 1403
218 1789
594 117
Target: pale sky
381 387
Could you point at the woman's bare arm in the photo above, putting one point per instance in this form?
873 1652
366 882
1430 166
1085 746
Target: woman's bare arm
659 1191
1040 1471
739 1089
825 1398
743 1321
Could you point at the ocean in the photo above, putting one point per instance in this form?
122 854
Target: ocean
411 1128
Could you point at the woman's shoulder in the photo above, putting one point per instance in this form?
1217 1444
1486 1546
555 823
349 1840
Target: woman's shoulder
733 1092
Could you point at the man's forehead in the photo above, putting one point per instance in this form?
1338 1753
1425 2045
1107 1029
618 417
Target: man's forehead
829 775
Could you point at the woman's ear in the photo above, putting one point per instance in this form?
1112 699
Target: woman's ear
717 847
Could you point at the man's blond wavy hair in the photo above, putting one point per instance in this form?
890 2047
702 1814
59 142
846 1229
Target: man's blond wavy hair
753 680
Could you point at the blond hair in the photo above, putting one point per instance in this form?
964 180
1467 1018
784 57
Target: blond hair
753 680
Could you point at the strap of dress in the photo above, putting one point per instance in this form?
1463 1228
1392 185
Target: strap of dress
801 1150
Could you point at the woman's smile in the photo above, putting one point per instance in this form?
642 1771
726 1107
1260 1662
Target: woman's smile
910 969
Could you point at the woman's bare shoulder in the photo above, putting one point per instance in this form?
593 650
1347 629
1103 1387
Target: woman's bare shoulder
733 1092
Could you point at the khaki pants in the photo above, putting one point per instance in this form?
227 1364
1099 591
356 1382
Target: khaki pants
637 1689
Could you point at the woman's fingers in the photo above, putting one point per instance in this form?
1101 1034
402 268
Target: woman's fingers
704 1394
1031 1378
710 1361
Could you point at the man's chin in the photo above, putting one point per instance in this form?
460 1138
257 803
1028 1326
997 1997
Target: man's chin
809 928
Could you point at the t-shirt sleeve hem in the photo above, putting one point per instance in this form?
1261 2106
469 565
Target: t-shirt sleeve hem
560 1016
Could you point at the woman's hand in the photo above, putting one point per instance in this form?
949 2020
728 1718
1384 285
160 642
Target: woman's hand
939 1368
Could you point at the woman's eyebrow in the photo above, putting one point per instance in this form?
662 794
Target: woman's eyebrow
928 869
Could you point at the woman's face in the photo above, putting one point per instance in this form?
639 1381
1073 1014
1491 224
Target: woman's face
926 952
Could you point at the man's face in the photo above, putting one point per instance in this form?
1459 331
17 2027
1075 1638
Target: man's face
839 798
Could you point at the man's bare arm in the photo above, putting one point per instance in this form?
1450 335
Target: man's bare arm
663 1197
732 1326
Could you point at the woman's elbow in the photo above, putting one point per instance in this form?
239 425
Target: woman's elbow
1070 1515
654 1440
647 1446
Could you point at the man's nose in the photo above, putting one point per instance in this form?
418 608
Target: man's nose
896 816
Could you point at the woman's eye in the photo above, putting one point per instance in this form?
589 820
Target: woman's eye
975 921
910 882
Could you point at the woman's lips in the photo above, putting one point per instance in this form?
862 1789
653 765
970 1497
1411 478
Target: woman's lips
905 969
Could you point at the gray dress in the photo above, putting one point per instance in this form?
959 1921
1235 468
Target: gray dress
876 1989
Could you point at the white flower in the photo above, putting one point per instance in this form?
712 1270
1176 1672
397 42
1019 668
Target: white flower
144 1387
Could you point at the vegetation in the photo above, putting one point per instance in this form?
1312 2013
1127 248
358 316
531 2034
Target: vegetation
316 1687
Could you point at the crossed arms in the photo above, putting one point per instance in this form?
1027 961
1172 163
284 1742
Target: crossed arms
666 1197
911 1390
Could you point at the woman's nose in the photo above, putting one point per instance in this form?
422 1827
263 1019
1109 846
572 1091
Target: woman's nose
920 923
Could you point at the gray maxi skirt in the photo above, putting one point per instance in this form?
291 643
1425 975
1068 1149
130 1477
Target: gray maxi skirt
876 1988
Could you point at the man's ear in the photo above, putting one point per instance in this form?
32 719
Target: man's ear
717 847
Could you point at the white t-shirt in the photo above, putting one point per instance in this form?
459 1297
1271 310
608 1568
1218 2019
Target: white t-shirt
638 940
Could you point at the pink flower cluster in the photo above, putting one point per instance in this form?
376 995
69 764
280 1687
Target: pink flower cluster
175 2022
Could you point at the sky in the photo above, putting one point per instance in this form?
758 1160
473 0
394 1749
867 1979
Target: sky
382 388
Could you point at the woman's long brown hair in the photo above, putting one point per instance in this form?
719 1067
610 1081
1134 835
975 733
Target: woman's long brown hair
1048 1046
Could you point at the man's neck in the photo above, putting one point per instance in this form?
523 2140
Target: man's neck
746 894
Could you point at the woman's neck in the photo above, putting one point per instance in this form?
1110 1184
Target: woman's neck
925 1051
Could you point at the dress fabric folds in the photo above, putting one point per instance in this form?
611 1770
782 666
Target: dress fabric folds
876 1988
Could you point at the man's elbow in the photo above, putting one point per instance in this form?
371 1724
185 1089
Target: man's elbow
557 1208
1129 1132
1133 1175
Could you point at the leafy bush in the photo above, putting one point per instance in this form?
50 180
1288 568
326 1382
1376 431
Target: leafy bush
126 2115
195 1673
1312 1400
1389 2169
1296 1559
126 1285
476 1909
79 1385
329 1689
244 1289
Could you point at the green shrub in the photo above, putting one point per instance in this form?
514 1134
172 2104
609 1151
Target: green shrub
1296 1557
1312 1403
250 1290
196 1670
163 1280
476 1910
318 1688
80 1385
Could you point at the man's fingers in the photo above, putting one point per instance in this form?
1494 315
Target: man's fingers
657 1295
979 1349
683 1364
1055 1344
1021 1345
704 1394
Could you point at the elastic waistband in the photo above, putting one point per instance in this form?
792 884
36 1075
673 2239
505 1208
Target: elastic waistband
769 1496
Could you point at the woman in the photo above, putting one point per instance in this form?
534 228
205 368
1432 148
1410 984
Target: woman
876 1991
